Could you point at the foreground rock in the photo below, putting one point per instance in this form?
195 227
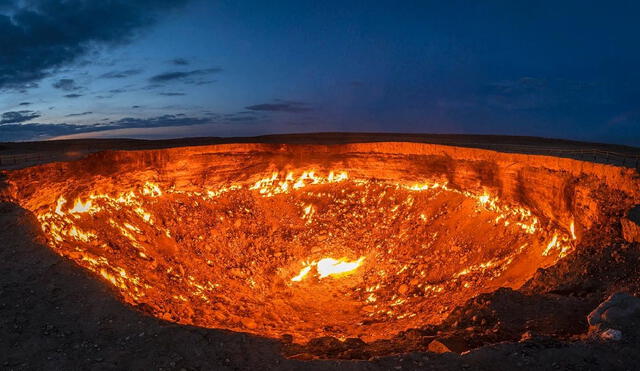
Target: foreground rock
616 318
448 344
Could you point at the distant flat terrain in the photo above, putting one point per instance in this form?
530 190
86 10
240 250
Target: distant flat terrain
22 154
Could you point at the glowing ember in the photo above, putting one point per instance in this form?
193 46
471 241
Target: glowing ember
80 207
151 189
483 199
303 273
61 201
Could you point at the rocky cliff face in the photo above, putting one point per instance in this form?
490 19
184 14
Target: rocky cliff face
631 225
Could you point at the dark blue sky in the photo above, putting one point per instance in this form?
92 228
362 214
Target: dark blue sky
163 68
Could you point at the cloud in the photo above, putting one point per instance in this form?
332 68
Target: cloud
241 118
25 104
18 132
14 117
120 74
244 116
164 120
39 36
202 82
35 131
73 96
281 106
180 62
183 76
79 114
66 85
172 94
625 119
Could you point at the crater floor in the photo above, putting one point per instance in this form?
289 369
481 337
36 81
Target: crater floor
302 254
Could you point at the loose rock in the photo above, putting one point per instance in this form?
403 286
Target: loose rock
611 335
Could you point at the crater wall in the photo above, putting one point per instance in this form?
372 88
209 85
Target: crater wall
558 189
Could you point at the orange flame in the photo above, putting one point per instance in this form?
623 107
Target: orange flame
330 267
151 189
79 207
303 273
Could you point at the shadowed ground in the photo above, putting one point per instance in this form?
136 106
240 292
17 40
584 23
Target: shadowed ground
16 155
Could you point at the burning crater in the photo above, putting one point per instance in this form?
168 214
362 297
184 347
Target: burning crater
360 240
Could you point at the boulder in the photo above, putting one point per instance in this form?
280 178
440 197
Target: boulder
437 347
448 344
631 225
326 345
611 335
619 313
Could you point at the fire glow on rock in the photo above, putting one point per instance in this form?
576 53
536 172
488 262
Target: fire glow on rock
303 253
